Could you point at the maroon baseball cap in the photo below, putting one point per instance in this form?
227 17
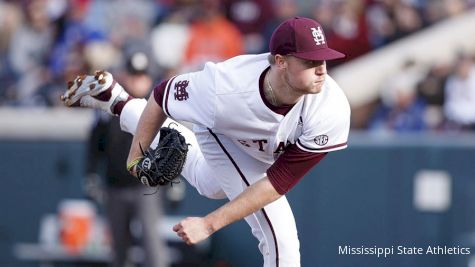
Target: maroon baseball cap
302 38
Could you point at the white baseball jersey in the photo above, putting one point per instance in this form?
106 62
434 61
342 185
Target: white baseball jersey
226 98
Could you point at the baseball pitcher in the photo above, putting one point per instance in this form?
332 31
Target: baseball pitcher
261 122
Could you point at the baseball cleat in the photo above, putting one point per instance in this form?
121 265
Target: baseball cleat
94 91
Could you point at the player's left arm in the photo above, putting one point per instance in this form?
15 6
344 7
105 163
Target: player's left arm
149 124
195 229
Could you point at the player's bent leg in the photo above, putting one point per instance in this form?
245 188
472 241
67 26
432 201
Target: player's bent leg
101 91
207 187
274 225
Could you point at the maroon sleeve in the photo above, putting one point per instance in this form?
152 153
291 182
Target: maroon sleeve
159 91
290 167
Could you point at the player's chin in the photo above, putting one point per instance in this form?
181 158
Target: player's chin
315 88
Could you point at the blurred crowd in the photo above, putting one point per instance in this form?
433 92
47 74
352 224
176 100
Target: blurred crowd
440 98
44 43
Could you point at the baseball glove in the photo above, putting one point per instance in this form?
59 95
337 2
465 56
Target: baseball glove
162 165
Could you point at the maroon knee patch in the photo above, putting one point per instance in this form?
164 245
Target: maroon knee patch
117 110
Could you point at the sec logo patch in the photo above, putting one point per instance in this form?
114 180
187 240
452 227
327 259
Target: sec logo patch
321 140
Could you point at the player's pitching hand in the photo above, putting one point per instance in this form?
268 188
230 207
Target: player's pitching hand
193 230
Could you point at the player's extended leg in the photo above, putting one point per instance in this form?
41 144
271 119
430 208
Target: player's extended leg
274 225
100 91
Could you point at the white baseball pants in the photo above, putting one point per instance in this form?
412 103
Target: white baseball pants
217 168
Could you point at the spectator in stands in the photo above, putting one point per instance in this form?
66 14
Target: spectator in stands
381 27
212 36
10 21
401 110
173 31
350 32
407 19
250 17
281 10
73 33
431 91
29 52
459 106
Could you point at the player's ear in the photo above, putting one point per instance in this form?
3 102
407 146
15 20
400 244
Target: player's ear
280 61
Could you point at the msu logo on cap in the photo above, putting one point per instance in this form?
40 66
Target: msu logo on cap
303 38
318 36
